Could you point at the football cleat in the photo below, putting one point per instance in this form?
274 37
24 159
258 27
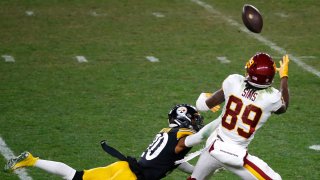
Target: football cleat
23 160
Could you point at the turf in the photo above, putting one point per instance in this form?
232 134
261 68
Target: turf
60 109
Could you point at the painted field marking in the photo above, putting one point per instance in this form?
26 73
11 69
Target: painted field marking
260 38
29 13
8 58
315 147
81 59
300 57
307 57
152 59
223 59
8 154
282 15
95 14
158 14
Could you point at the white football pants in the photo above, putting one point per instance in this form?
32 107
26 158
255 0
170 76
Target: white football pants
254 168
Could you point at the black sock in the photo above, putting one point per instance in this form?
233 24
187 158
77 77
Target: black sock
78 175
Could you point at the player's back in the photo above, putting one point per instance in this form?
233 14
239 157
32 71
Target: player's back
158 159
246 109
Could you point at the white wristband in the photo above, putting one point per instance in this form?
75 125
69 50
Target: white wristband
201 103
204 133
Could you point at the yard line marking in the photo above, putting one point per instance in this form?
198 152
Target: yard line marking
81 59
223 59
8 154
8 58
260 38
152 59
29 13
300 57
95 14
158 14
315 147
308 57
282 15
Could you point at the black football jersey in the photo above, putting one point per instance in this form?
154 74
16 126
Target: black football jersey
158 159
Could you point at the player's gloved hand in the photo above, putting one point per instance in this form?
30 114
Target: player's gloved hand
217 107
283 69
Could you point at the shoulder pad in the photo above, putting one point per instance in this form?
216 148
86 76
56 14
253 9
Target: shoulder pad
182 132
231 80
165 130
275 94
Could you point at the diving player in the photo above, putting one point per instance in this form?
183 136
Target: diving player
155 163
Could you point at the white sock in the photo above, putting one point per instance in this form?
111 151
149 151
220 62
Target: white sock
58 168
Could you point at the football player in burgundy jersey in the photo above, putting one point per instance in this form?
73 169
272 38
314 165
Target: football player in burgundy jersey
249 102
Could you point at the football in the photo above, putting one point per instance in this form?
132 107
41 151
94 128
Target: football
252 18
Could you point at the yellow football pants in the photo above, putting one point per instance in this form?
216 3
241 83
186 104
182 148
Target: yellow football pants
117 171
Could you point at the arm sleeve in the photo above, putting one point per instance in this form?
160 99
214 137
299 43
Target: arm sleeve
201 103
202 134
186 167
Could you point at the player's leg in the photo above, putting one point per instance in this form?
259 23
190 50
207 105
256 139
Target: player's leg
57 168
205 165
26 159
115 171
255 168
241 172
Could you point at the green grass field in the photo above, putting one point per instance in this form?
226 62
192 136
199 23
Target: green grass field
60 109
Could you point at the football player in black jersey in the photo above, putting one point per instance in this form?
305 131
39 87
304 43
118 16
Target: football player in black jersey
168 145
157 161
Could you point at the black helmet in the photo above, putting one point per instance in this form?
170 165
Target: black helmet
185 116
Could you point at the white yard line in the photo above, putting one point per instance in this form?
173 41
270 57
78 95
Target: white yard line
29 13
260 38
315 147
307 57
95 14
152 59
223 59
8 58
158 14
282 15
8 154
81 59
299 57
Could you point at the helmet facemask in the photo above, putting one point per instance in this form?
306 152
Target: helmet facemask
185 116
197 122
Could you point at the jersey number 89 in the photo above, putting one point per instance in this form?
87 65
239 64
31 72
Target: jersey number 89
234 111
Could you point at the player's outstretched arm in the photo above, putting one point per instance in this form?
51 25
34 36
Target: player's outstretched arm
203 134
186 167
208 101
284 89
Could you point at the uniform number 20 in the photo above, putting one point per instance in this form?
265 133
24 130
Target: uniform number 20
233 110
